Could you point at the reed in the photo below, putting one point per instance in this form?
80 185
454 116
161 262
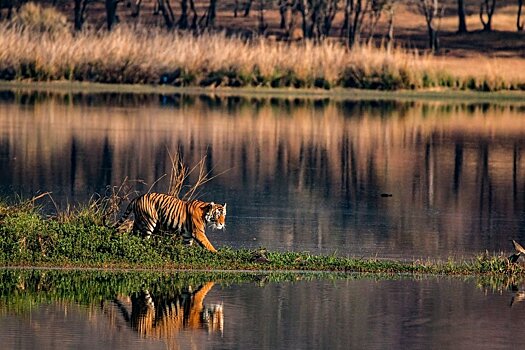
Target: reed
153 56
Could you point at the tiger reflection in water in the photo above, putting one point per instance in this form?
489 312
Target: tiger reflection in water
165 317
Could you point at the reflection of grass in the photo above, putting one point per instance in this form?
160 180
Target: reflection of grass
81 239
132 56
22 289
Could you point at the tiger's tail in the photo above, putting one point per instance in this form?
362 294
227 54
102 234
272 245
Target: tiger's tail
128 211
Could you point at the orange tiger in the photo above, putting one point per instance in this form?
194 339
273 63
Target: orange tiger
158 212
164 316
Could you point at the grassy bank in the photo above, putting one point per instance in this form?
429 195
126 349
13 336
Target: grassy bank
140 56
80 238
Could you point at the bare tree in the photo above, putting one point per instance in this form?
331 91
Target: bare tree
247 8
134 5
288 10
390 34
111 13
462 23
354 14
329 10
376 10
486 11
283 5
166 10
262 24
79 9
194 21
431 9
235 8
211 14
317 16
183 19
314 29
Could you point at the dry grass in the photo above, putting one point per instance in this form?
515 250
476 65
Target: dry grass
130 56
180 174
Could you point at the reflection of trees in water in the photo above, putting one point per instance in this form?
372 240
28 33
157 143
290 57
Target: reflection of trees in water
325 158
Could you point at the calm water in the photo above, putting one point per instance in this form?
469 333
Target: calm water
298 174
116 310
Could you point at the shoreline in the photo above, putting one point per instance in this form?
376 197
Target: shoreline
335 94
482 265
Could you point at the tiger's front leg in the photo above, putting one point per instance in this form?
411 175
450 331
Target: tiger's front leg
200 236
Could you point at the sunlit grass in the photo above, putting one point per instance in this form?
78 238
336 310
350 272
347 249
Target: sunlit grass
154 56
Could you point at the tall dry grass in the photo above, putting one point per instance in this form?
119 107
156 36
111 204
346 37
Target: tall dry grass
152 56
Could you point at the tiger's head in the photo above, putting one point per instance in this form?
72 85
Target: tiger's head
216 215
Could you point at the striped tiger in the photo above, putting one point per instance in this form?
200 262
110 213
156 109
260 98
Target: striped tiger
158 212
165 315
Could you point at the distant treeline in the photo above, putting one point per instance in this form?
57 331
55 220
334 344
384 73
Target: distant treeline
353 21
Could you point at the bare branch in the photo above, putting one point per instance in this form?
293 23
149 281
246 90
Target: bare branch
180 173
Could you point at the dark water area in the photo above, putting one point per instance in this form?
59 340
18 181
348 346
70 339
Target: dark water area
392 179
49 309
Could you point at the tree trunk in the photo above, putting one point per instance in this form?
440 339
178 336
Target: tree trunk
262 24
462 23
354 29
283 7
167 13
235 8
248 8
135 7
195 20
79 18
303 7
111 13
212 14
433 40
430 9
183 19
488 10
390 36
329 15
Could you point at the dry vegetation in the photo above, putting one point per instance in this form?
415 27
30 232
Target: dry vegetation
38 46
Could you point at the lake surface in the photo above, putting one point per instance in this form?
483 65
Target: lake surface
297 174
49 309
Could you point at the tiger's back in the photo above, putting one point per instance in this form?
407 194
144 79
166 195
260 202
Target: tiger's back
157 212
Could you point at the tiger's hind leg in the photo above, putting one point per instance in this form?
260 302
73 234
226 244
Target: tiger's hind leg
145 228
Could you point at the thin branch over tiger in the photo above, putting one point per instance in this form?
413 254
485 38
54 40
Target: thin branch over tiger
157 212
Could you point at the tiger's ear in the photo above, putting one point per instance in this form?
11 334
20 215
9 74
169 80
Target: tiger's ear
224 206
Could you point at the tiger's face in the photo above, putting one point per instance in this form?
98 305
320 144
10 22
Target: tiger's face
216 215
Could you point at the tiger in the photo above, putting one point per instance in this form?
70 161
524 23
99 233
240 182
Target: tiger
165 315
158 212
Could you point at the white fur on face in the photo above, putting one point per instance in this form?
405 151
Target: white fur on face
215 215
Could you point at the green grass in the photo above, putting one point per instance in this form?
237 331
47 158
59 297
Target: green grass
79 238
22 290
